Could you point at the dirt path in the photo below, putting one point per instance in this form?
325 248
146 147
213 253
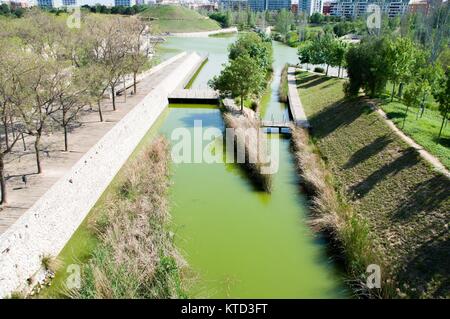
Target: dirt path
423 153
56 162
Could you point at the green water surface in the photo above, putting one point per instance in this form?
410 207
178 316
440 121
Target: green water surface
240 242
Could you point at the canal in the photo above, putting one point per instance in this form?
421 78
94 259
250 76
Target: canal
241 242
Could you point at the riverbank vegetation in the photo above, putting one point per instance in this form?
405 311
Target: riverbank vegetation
333 216
135 256
283 89
400 201
246 77
253 143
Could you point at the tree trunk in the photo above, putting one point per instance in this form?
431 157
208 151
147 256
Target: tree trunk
100 111
5 128
11 123
124 90
339 71
66 144
393 91
24 144
242 104
406 114
113 92
327 71
134 83
3 199
400 90
442 125
38 156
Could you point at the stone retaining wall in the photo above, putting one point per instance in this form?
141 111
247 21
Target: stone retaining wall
46 227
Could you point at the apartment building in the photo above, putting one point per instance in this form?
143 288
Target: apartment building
256 5
357 8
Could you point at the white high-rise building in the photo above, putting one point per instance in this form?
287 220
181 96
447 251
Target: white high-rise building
310 6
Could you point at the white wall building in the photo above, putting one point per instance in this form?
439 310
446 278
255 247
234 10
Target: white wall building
357 8
310 6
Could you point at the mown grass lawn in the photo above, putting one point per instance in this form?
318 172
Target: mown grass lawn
167 18
404 202
423 129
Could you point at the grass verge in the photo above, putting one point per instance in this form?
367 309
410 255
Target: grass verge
402 201
421 127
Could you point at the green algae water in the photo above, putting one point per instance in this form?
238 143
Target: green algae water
240 242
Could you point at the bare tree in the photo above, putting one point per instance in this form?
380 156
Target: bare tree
109 49
40 88
71 99
139 47
10 67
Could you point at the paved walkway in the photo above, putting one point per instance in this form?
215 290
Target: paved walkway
56 162
295 104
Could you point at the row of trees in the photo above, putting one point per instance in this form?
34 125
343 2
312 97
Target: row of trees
324 49
49 73
248 70
410 69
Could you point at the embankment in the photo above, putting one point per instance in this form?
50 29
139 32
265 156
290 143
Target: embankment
47 226
135 256
402 203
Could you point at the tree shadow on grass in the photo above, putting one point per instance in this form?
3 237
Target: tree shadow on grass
368 151
341 113
428 266
305 79
395 115
309 84
409 158
427 197
444 141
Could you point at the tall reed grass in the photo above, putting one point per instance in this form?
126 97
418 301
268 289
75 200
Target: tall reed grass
247 128
136 257
283 88
332 215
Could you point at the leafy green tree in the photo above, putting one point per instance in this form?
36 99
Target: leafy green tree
421 85
316 18
442 96
240 78
257 47
284 20
367 67
401 57
5 9
338 51
305 53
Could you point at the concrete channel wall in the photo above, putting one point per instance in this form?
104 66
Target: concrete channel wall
48 225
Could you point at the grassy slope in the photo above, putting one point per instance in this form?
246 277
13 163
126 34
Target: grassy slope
170 18
404 201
